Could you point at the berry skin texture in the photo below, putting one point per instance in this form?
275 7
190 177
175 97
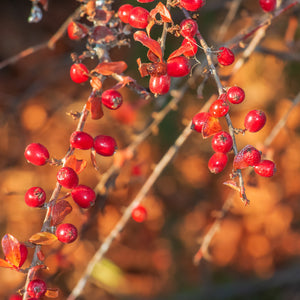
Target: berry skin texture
76 31
265 168
15 297
35 197
84 196
251 155
199 120
139 214
217 162
178 66
191 42
37 154
267 5
159 84
138 17
78 73
255 120
235 95
105 145
36 288
112 99
81 140
67 177
188 28
192 5
225 56
219 108
66 233
124 12
222 142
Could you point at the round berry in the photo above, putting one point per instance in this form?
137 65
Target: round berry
138 17
222 142
36 288
193 44
192 5
76 31
124 12
178 66
35 197
112 99
235 95
66 233
255 120
160 84
37 154
23 253
15 297
145 1
225 56
219 108
188 28
79 73
251 155
199 120
81 140
217 162
265 168
105 145
139 214
267 5
67 177
84 196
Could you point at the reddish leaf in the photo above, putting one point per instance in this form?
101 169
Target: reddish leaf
211 127
239 162
78 165
103 16
5 264
33 270
151 23
11 250
181 50
152 57
52 293
96 83
40 255
94 105
102 34
162 11
109 68
59 211
44 3
43 238
126 80
142 68
153 45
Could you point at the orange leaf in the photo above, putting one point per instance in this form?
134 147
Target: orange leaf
109 68
43 238
59 211
94 105
162 11
181 50
153 45
52 293
78 165
126 80
11 250
211 126
5 264
151 23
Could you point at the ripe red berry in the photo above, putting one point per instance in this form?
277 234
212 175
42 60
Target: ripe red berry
15 297
222 142
124 12
76 31
66 233
199 120
145 1
217 162
267 5
23 252
81 140
84 196
36 288
255 120
138 17
35 197
178 66
235 95
219 108
37 154
193 44
105 145
139 214
265 168
67 177
79 73
112 99
188 28
225 56
192 5
160 84
251 155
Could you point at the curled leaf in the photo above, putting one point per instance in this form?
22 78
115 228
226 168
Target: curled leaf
126 80
52 293
59 211
211 126
11 250
181 50
109 68
78 165
162 10
102 34
43 238
94 105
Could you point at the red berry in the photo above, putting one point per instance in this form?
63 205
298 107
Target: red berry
66 233
35 197
81 140
192 5
105 145
112 99
37 154
23 252
84 196
76 31
199 120
138 17
251 155
178 66
235 95
219 108
188 28
15 297
145 1
255 120
265 168
225 56
36 288
217 162
191 42
222 142
79 73
139 214
160 84
67 177
267 5
124 12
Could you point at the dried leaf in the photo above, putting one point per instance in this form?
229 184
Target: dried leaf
94 105
109 68
103 15
181 50
164 13
43 238
11 250
151 23
152 57
40 255
211 126
59 211
143 68
52 293
102 34
78 165
5 264
238 161
126 80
